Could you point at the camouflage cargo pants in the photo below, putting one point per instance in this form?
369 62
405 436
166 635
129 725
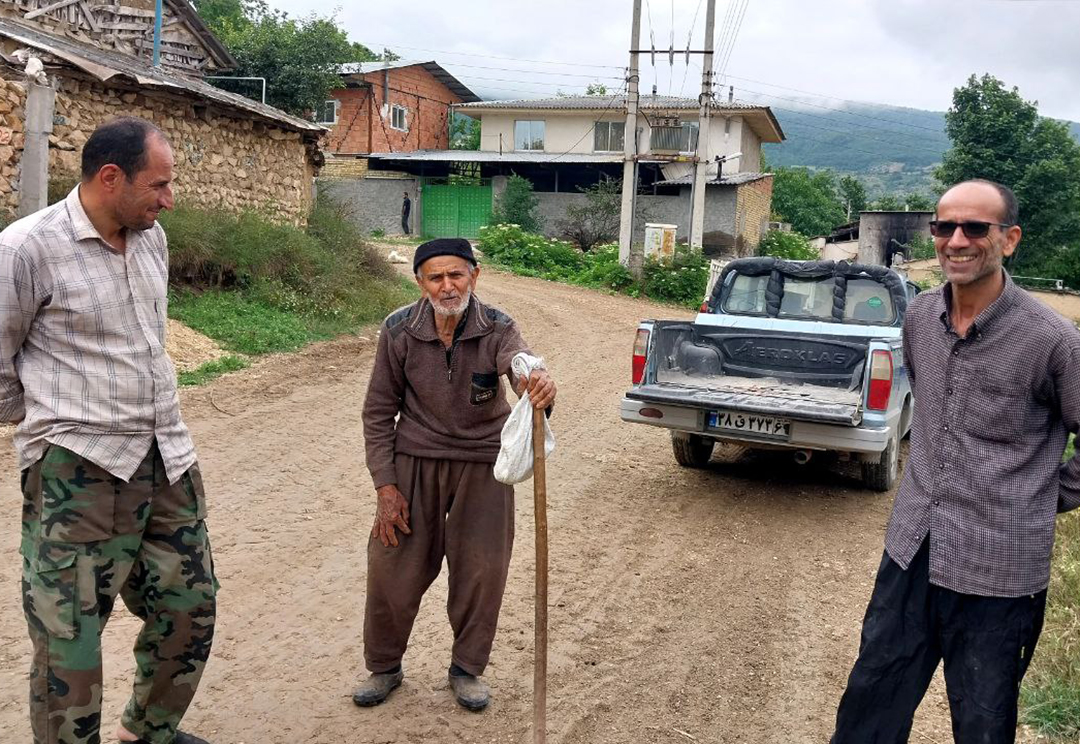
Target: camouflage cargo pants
86 538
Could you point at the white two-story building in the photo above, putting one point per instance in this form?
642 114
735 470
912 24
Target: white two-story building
566 143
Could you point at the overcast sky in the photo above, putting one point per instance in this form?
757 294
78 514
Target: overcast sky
901 52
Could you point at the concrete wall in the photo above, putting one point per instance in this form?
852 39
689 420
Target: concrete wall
720 205
878 230
363 126
375 203
221 160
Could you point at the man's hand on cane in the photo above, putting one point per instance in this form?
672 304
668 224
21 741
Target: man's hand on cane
392 511
540 387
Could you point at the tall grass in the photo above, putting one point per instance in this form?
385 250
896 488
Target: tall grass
259 287
1051 694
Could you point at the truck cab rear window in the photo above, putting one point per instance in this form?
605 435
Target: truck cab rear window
868 302
807 298
747 295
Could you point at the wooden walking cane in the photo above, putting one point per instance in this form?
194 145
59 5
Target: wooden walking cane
540 517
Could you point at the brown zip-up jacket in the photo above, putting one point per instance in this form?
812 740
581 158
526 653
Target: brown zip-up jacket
424 403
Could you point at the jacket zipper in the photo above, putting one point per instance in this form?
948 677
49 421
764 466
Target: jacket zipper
450 362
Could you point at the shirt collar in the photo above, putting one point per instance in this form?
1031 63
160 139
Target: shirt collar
80 221
987 317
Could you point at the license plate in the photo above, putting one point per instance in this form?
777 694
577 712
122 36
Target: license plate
769 426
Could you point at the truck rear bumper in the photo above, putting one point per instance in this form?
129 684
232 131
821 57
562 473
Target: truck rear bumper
804 434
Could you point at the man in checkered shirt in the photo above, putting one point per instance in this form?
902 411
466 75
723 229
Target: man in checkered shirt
113 501
996 381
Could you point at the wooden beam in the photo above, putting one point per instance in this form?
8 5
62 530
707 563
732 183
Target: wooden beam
126 26
85 7
124 10
48 9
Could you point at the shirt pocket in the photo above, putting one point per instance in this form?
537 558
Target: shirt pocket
50 588
485 387
996 411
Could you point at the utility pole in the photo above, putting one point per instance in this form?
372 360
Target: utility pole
701 152
630 136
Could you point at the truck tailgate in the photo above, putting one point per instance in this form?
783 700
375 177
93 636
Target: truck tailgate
757 395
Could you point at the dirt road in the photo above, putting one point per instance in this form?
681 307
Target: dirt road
711 606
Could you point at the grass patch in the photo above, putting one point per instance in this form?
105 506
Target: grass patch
681 282
1050 697
212 370
258 287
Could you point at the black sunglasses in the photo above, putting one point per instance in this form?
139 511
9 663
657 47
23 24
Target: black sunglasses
947 228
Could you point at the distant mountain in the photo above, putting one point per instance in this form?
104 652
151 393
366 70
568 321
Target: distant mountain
890 149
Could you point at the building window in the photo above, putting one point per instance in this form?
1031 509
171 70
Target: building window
328 113
683 138
528 135
608 136
398 118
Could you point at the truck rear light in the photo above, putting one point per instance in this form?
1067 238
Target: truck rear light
881 377
704 306
641 351
655 413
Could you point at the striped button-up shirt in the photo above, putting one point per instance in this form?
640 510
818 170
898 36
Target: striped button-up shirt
82 343
984 480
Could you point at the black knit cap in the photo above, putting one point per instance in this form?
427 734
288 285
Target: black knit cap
443 247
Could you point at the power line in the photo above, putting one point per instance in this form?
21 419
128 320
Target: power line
492 56
598 119
732 40
689 41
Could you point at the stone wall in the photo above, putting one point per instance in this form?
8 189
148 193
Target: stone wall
12 111
375 203
221 160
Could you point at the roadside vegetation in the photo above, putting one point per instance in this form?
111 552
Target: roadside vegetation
257 287
1050 698
680 282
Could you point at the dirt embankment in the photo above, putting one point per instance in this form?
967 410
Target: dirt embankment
721 605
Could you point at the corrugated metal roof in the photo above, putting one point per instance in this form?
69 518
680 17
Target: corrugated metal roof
483 156
104 65
600 103
437 71
734 179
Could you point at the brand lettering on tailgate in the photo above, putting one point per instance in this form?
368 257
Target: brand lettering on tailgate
751 349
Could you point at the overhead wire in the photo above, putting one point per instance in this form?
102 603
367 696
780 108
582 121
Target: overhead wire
731 43
689 41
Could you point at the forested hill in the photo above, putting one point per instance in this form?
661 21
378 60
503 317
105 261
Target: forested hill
890 149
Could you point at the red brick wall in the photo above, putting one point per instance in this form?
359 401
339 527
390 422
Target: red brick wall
360 127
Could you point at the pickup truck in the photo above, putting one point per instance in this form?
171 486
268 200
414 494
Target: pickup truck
803 356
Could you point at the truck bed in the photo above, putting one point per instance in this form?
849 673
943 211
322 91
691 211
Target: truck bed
761 395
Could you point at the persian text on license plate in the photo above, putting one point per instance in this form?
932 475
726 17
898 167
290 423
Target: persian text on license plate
752 424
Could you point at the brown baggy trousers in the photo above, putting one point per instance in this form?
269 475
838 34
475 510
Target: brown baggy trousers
459 510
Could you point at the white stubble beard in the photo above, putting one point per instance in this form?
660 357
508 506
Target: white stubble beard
446 312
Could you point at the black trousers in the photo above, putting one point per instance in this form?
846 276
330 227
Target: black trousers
405 222
911 625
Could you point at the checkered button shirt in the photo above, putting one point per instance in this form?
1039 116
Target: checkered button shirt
82 343
984 480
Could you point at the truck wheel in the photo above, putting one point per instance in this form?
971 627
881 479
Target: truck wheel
882 475
691 450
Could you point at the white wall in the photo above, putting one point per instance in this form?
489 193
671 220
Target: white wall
572 132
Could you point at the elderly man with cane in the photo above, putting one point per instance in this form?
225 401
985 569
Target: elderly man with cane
433 415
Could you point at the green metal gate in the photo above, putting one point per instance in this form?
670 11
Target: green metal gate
455 210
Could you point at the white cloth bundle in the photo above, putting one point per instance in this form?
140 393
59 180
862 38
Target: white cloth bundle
515 461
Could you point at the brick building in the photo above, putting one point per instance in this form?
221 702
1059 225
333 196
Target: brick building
392 107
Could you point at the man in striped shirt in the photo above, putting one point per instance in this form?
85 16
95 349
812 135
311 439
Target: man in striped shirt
113 501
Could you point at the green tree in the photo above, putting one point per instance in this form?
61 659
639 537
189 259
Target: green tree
917 202
464 133
888 203
596 89
998 135
852 196
807 200
597 220
298 57
517 205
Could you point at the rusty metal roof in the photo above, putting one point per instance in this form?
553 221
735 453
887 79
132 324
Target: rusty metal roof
105 65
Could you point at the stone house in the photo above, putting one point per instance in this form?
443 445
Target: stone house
231 151
567 143
392 107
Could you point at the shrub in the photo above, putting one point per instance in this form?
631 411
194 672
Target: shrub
517 205
682 281
920 248
378 232
597 220
790 245
530 254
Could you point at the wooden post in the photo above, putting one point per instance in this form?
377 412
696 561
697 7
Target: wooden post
540 517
